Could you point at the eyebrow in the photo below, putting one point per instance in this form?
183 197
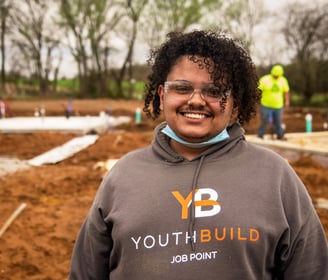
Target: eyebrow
186 81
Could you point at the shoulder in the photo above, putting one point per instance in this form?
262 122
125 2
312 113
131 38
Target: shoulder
124 168
265 81
137 155
266 157
261 150
266 77
283 79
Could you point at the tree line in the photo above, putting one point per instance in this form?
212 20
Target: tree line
36 35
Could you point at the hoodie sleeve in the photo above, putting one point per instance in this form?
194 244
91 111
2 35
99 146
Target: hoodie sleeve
302 252
90 258
309 252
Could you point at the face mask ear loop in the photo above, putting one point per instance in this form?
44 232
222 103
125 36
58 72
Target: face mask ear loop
192 208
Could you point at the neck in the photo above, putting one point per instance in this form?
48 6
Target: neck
188 149
186 152
223 135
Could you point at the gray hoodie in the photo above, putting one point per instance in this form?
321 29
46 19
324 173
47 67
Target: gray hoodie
238 211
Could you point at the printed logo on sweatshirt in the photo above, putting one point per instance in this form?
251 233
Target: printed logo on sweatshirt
205 201
201 236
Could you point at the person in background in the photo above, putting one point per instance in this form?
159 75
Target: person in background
2 109
275 96
200 202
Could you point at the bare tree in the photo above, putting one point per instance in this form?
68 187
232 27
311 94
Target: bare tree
305 31
88 24
178 15
31 36
175 15
129 28
239 18
5 8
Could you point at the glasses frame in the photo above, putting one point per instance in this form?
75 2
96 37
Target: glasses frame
204 95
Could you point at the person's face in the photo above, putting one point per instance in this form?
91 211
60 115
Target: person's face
192 118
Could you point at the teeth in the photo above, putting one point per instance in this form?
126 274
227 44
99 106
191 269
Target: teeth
195 116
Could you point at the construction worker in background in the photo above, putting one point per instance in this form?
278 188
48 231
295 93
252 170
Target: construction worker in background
275 95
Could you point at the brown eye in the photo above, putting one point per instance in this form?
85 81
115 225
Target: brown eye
182 88
214 92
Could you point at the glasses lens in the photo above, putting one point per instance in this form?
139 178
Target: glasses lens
212 93
184 89
179 88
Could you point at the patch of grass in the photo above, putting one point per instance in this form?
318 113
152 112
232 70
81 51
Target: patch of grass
68 83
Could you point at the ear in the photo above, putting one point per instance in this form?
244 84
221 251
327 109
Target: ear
160 92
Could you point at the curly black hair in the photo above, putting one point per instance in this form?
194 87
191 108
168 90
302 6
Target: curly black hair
225 59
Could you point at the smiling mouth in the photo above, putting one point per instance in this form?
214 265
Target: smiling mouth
195 115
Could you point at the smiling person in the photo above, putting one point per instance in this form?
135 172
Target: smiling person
201 202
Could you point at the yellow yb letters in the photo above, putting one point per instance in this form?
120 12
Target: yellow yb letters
212 205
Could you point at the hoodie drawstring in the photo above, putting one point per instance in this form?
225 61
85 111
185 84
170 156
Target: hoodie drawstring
192 208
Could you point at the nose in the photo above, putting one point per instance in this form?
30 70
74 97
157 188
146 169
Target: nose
197 98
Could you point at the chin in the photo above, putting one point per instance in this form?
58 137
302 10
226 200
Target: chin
195 137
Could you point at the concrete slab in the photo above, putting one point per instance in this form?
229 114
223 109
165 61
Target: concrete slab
11 165
64 151
79 125
315 143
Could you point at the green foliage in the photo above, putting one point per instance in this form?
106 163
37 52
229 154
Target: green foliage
135 88
319 100
68 83
180 14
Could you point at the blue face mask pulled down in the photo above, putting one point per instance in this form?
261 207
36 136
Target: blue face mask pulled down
223 135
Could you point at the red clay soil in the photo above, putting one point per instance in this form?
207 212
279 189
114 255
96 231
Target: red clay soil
38 244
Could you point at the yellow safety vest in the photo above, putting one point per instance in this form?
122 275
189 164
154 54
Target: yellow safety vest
273 91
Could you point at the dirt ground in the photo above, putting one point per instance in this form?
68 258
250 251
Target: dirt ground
39 242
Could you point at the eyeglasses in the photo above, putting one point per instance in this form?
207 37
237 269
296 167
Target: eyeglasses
185 90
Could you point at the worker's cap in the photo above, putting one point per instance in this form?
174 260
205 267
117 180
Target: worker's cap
277 70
